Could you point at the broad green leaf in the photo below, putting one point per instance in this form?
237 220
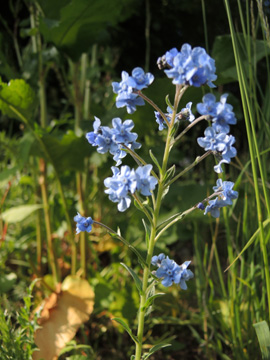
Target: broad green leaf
138 282
7 281
74 25
224 56
18 94
126 327
154 349
67 153
19 213
263 334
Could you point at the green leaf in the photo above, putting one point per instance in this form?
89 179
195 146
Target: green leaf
138 282
74 25
263 334
126 327
155 161
19 213
7 281
224 56
18 94
150 300
154 349
169 174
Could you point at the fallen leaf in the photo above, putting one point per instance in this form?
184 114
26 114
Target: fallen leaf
72 307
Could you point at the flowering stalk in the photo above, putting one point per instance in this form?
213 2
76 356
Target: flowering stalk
188 67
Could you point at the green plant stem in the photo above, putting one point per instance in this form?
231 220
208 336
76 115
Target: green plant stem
44 194
151 245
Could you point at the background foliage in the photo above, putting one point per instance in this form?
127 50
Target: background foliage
57 62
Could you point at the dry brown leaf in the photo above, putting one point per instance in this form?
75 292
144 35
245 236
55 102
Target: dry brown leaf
74 306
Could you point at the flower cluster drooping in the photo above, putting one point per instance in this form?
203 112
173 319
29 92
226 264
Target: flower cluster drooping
216 136
126 181
189 66
127 88
224 198
113 140
171 272
83 223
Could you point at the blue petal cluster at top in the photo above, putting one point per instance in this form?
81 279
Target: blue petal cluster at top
217 136
83 223
126 181
127 88
112 139
171 272
189 66
224 198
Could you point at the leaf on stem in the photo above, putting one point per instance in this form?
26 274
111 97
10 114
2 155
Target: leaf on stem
138 282
155 161
154 349
150 300
127 328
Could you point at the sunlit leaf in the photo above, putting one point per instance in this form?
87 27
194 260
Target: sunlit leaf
19 213
66 313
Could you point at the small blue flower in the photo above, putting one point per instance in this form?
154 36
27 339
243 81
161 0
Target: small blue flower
168 270
83 224
145 182
121 133
227 192
201 206
208 106
139 79
126 89
186 113
186 275
157 259
213 207
129 100
171 272
120 185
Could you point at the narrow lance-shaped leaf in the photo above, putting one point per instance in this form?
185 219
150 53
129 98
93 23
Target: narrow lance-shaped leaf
128 330
138 282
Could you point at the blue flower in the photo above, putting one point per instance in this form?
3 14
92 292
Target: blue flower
121 133
227 192
145 182
171 272
157 259
139 79
185 275
186 113
191 66
208 106
112 140
83 224
126 89
221 113
213 207
129 100
120 185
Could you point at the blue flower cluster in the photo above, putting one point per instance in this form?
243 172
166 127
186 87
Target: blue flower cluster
171 272
217 136
83 223
184 114
189 66
112 139
224 198
127 88
126 181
